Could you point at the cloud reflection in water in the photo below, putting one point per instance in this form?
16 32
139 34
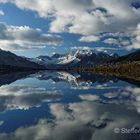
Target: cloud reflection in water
93 116
25 97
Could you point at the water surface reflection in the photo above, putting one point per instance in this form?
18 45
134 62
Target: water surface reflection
67 106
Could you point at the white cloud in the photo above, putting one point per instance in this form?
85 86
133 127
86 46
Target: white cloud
4 1
24 37
91 38
120 39
111 41
96 49
87 17
1 13
135 39
84 16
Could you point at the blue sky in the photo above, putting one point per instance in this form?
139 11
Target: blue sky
66 28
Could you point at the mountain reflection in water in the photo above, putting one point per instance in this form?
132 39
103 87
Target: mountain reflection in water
51 105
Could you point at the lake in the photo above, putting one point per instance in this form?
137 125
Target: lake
57 105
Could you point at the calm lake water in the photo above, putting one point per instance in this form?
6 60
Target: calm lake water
68 106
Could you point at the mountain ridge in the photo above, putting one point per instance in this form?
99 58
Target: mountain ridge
10 61
72 59
79 58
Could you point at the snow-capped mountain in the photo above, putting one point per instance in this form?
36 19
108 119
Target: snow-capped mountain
74 58
56 59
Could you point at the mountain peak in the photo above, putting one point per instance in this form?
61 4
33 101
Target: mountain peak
84 52
56 55
74 58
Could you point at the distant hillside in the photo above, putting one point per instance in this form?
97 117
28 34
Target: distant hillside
127 66
11 61
78 59
135 56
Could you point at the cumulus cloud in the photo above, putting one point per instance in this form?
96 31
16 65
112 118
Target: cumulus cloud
120 39
85 16
111 41
1 13
24 37
88 18
96 49
91 38
135 38
124 43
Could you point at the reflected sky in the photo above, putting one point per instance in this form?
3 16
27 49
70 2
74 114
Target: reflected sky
67 106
